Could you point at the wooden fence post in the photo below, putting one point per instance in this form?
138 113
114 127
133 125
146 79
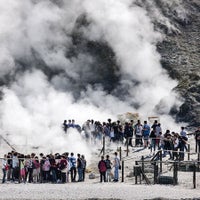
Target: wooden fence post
143 167
155 173
122 170
137 172
175 177
194 176
188 151
160 160
104 145
120 153
127 146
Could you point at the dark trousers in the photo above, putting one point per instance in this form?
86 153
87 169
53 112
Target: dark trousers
73 174
4 176
83 174
15 173
63 177
30 175
138 140
102 176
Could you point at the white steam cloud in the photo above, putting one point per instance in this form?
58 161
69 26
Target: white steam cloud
36 37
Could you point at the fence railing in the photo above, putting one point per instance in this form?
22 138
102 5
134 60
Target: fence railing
158 171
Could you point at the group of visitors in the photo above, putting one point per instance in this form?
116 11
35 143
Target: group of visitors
152 137
50 168
105 166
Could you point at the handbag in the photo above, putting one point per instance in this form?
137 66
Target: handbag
7 167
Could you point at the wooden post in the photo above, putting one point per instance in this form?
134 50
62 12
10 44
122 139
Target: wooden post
142 166
137 172
175 177
196 146
160 160
188 151
123 171
127 146
120 153
194 175
155 173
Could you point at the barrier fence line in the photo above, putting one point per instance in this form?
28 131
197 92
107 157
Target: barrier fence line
139 170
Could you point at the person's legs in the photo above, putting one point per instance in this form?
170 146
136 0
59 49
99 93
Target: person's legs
4 176
116 174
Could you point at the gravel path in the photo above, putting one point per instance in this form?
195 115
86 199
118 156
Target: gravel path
94 190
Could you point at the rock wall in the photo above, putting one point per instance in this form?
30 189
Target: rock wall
180 56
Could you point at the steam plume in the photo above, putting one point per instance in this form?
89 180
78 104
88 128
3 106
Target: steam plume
49 69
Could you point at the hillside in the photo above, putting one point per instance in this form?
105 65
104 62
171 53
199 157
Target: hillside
180 55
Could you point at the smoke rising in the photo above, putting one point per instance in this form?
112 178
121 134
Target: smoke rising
52 67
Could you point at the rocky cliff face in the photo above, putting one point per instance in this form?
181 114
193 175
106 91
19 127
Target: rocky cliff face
180 56
179 22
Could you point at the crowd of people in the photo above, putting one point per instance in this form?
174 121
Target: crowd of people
138 134
50 168
62 168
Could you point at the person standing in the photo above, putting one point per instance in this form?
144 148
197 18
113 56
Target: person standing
4 168
15 166
197 139
72 160
79 168
62 168
108 169
116 165
84 163
138 134
102 169
158 134
146 133
9 162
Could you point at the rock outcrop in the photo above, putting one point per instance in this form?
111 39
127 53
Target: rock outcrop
180 52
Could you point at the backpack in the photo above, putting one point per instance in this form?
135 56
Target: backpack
62 164
83 162
73 161
108 164
102 166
